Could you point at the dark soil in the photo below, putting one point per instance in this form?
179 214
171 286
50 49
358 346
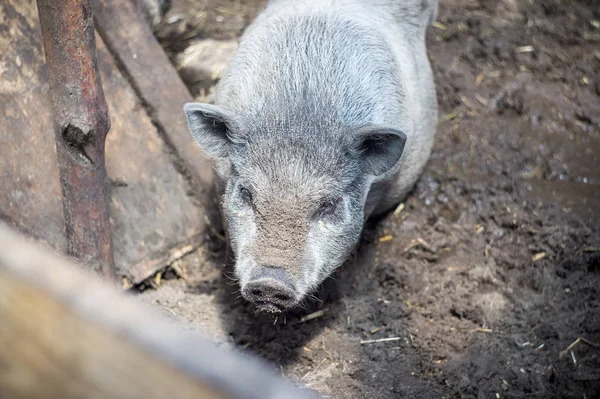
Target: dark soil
488 280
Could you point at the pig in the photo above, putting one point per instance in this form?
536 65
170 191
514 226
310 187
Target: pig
325 117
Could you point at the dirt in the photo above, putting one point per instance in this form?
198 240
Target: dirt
486 284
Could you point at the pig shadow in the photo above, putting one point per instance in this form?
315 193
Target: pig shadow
281 339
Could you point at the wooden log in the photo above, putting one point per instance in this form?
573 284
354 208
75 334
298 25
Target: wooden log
66 334
81 123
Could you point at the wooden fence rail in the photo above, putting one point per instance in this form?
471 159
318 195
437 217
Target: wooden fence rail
65 333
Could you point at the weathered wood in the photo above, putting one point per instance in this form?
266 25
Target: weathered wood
153 218
81 123
132 43
65 334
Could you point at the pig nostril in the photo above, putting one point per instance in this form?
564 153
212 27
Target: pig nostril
283 297
257 292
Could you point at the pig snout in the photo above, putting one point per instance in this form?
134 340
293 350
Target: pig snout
271 289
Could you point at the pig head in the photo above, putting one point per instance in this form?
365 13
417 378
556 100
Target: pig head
294 195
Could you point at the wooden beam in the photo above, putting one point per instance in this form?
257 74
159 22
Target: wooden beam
81 123
131 41
66 334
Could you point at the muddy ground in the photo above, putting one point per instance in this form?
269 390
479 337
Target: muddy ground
487 281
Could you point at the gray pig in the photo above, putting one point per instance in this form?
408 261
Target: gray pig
325 117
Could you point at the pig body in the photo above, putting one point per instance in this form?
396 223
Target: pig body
325 117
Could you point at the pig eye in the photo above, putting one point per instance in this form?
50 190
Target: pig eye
246 195
327 208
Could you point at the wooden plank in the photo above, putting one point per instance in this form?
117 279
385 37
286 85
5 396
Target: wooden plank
132 43
66 334
152 215
29 179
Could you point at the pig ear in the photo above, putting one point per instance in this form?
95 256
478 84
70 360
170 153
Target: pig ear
380 148
210 126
